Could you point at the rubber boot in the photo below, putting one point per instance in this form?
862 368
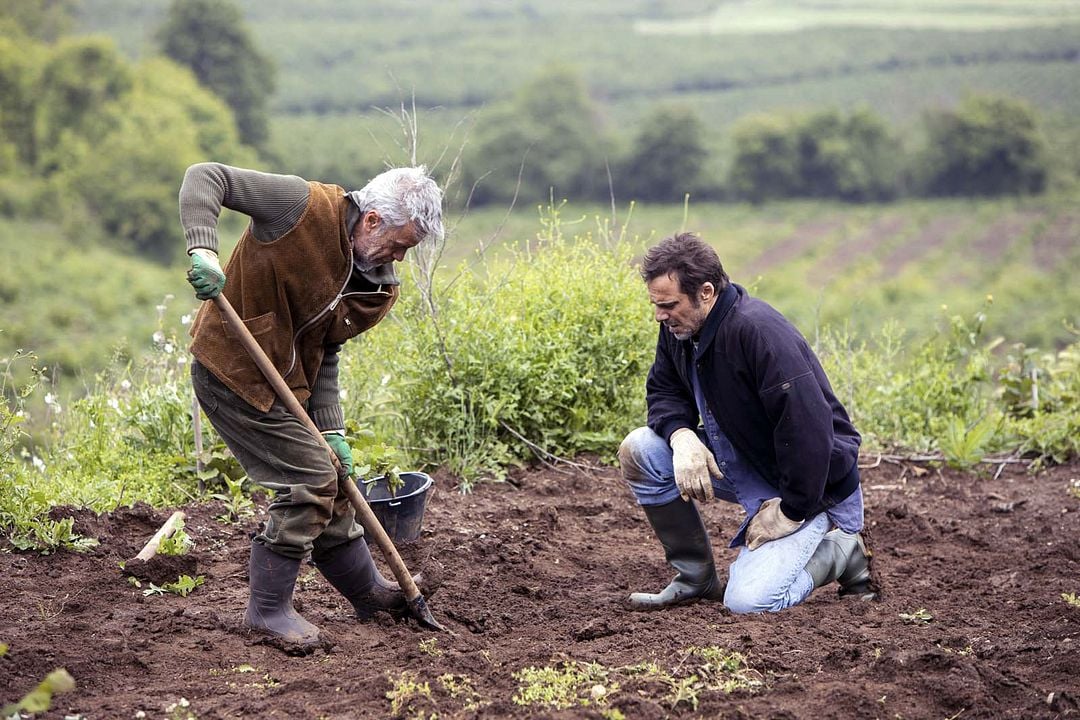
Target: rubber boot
843 557
352 572
680 530
270 610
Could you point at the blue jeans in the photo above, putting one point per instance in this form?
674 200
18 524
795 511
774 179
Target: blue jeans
768 579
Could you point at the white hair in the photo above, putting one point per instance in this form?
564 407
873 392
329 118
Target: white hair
403 194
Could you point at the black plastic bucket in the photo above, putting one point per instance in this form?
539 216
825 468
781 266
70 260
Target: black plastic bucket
402 514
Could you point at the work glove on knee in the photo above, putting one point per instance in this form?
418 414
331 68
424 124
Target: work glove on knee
769 523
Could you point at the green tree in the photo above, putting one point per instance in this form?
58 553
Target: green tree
549 134
20 66
766 164
821 154
127 181
41 19
210 37
667 159
987 146
80 86
850 158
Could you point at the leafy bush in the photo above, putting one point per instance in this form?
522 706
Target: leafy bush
545 354
914 401
129 440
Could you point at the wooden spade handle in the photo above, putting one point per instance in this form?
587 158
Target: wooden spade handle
367 516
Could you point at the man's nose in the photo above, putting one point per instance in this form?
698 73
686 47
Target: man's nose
661 315
399 255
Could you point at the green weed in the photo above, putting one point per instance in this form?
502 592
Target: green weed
560 687
40 699
460 688
1072 599
179 543
238 504
919 617
408 697
182 587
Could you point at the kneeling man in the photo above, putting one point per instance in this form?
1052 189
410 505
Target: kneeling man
739 408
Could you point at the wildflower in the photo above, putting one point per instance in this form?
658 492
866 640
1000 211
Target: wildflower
185 319
38 463
159 337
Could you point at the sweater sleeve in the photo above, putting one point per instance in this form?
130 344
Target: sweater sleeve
324 405
274 203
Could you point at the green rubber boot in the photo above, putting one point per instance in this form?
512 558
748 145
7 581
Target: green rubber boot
270 610
681 532
842 557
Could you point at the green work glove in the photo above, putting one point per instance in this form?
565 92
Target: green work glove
205 274
341 448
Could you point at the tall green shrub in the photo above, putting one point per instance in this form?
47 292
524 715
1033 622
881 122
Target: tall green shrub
545 354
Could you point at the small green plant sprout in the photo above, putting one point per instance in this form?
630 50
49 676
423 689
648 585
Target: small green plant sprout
237 503
182 587
408 696
40 698
1074 488
919 617
47 536
1071 599
179 543
373 458
726 670
460 688
428 647
572 684
964 446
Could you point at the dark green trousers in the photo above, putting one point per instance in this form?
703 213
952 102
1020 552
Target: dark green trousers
278 452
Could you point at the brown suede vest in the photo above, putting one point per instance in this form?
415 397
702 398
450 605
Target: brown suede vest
288 292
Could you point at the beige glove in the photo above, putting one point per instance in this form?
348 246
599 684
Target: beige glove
769 524
693 463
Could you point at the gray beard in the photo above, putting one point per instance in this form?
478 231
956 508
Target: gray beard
363 266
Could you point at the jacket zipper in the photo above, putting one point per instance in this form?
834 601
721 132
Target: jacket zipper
329 308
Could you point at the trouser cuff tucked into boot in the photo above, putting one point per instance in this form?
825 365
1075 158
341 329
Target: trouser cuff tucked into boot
270 610
351 570
686 545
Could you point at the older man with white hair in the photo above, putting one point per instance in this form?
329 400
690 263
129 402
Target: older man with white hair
314 268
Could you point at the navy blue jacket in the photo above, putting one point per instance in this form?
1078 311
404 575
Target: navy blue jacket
770 396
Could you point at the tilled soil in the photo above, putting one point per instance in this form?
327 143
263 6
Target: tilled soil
972 622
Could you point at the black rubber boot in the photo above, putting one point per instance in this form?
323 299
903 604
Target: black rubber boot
680 530
842 557
352 572
270 607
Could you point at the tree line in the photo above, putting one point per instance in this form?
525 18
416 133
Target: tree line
550 135
98 142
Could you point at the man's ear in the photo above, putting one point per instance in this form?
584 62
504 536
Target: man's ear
372 220
708 291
